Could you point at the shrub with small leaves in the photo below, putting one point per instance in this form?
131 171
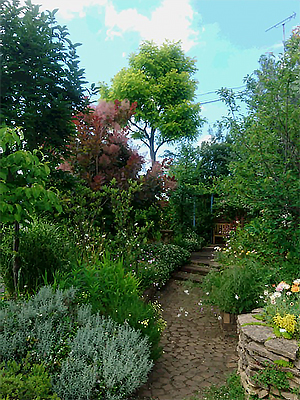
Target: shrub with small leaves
87 355
25 381
105 359
40 326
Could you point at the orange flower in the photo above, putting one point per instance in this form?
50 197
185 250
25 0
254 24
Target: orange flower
295 288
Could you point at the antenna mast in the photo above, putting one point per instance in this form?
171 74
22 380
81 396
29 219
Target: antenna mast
283 26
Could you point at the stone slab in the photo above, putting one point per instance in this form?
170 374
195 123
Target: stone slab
258 333
249 319
261 350
281 346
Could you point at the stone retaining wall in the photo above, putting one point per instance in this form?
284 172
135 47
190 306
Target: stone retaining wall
259 345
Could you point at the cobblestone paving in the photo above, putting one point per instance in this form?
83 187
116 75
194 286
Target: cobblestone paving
197 353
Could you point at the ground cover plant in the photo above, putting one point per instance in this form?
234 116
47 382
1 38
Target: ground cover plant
87 356
232 390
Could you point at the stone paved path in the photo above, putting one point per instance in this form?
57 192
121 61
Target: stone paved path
197 353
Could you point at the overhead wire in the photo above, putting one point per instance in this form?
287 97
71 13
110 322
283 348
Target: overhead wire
214 91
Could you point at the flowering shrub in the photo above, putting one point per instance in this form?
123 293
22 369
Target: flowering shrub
283 309
158 261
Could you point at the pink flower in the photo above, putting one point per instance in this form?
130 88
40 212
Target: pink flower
282 285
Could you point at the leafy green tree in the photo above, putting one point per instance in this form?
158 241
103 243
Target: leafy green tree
22 187
160 80
41 82
264 177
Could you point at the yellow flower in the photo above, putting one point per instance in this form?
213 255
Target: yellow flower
288 322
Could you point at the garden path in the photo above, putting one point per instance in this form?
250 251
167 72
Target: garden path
197 353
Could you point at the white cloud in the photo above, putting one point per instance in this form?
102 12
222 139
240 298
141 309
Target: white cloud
68 9
172 19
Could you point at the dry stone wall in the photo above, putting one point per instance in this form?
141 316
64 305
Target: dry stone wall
257 346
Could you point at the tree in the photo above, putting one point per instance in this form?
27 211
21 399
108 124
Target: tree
22 187
264 177
100 150
41 82
160 80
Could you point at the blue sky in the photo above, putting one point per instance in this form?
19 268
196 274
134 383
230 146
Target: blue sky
227 37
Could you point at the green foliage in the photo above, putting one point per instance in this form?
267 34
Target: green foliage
106 360
195 171
87 356
160 80
233 390
45 248
157 262
190 241
264 175
41 82
25 381
272 244
103 283
22 187
129 236
272 376
22 180
236 289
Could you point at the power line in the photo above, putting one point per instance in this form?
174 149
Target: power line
214 91
211 101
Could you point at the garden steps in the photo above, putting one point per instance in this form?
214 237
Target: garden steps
186 276
196 269
201 263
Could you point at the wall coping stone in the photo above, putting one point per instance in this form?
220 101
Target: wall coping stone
259 333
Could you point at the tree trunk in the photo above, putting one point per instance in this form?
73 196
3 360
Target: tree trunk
151 148
16 257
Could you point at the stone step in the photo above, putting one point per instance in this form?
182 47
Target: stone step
196 269
209 263
186 276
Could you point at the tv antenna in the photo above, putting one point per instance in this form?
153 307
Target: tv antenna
283 22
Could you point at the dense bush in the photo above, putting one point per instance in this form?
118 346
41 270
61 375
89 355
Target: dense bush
105 358
157 261
45 248
190 241
111 290
237 288
25 381
87 355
